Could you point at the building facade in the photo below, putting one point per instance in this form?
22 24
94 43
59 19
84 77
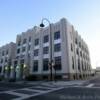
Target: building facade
7 54
70 53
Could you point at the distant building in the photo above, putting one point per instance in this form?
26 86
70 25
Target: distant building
7 54
70 53
97 71
93 72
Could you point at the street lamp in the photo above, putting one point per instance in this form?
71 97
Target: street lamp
51 61
26 71
6 68
17 69
25 66
11 67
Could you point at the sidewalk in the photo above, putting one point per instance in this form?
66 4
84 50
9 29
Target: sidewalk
57 83
65 83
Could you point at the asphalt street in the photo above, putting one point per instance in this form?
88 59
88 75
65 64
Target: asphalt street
71 93
88 90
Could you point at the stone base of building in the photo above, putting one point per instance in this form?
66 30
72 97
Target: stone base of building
58 76
63 77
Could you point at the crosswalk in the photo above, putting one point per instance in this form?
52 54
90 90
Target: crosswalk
28 92
90 85
39 89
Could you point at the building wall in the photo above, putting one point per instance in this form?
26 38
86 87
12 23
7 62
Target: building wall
74 53
7 54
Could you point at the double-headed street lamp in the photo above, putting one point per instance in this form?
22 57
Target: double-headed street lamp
51 60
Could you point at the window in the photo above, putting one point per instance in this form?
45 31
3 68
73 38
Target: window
45 50
57 47
80 44
83 48
78 64
29 47
58 65
23 49
45 64
29 39
24 41
15 63
72 62
2 53
76 40
1 61
82 65
18 51
81 53
35 65
83 56
19 43
5 59
46 38
57 35
22 61
36 52
77 51
71 47
36 42
7 52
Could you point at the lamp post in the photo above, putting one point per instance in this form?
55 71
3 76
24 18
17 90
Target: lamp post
11 71
51 61
26 71
17 71
6 72
53 65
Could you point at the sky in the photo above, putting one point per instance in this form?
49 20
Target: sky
17 16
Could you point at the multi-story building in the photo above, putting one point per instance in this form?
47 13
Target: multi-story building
24 45
7 54
69 51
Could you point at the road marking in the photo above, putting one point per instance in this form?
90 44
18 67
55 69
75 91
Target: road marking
90 85
34 90
37 94
37 89
15 93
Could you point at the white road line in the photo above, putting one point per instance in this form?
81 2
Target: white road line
36 94
50 85
90 85
17 94
44 87
33 90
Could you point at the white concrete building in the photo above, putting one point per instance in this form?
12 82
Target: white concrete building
97 70
7 54
70 53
